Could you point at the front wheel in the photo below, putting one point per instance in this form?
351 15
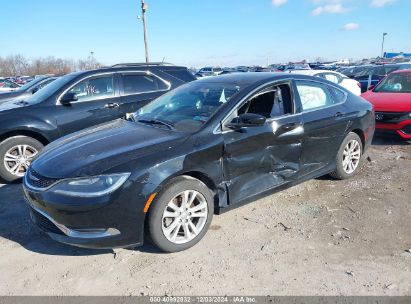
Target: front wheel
180 215
349 157
16 155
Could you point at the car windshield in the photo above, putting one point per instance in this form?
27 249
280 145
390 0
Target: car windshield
50 89
363 72
29 84
395 83
188 107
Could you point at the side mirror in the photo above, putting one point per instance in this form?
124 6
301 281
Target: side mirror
247 120
371 87
35 90
68 98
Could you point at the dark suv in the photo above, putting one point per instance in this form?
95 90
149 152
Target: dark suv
374 74
77 101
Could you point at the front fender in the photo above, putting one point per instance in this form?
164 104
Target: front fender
46 129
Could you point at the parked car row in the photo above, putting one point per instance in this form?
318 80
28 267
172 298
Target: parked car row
7 85
138 150
371 75
392 103
30 88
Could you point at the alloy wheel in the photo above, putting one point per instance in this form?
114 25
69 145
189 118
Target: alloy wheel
184 217
351 156
18 158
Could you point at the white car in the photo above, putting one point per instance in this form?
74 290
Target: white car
350 84
7 85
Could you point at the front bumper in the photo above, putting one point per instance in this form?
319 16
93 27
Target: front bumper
116 220
402 128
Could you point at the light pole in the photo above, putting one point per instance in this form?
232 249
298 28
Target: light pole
144 7
382 46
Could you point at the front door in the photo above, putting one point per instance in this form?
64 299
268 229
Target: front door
259 158
98 102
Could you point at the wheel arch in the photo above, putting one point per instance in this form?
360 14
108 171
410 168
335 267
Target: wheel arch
205 179
30 133
361 134
201 176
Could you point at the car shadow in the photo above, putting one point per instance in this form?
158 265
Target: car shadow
16 226
389 140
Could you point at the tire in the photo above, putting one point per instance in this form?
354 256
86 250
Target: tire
177 239
12 164
344 170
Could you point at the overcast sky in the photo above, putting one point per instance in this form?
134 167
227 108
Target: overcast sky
205 32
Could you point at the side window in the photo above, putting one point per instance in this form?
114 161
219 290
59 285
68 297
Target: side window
137 83
332 77
314 95
44 83
271 102
380 71
94 88
339 96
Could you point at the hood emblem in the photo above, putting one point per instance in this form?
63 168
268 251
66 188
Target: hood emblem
379 116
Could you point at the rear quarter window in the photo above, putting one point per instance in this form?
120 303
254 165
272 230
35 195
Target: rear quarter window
138 83
338 95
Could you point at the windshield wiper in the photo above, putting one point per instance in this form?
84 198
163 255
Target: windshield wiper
157 122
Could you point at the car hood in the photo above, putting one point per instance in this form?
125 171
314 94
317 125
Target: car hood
95 150
12 104
9 95
389 102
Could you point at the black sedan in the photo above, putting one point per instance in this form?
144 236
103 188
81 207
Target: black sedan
203 148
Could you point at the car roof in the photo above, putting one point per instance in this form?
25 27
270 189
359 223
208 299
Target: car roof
402 71
312 72
130 67
246 78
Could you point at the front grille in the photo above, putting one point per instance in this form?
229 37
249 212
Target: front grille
406 129
36 180
390 117
44 223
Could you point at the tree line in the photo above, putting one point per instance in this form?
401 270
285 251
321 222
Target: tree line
19 65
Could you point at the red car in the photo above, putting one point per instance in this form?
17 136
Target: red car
392 103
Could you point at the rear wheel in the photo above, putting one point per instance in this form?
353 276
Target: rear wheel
16 155
181 214
349 157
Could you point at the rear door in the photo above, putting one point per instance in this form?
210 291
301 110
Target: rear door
138 88
259 158
325 122
98 102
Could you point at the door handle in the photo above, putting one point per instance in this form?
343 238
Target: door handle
338 114
111 105
290 126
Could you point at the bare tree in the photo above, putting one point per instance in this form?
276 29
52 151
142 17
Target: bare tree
18 65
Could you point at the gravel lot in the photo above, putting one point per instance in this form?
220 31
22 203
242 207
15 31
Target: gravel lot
323 237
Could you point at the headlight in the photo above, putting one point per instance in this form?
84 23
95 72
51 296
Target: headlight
90 186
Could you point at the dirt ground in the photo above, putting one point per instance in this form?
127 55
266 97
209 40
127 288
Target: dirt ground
323 237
